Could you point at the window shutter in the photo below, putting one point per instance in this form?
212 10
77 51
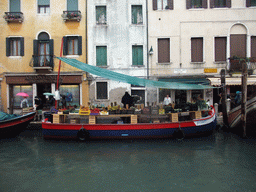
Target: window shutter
154 4
188 4
248 3
228 3
35 47
72 5
14 5
79 45
197 50
65 46
43 2
22 46
170 4
51 47
204 4
253 46
7 47
212 5
163 50
220 48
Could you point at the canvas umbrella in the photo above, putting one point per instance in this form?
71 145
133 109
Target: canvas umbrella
22 94
48 94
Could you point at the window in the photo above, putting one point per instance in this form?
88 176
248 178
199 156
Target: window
137 55
17 99
164 50
102 90
220 3
162 4
196 4
72 5
250 3
196 49
43 6
14 5
220 49
71 93
235 40
72 45
101 15
253 46
137 14
14 46
101 56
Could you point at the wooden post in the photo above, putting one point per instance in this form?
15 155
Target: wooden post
244 96
224 97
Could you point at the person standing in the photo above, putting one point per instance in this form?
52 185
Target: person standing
167 100
24 103
127 99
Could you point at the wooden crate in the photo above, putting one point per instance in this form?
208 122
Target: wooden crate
92 120
174 117
195 114
59 118
134 119
74 121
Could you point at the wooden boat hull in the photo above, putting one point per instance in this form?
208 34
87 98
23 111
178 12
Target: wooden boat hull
234 116
13 127
128 131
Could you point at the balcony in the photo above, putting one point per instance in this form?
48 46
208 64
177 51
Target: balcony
71 16
42 63
14 17
235 65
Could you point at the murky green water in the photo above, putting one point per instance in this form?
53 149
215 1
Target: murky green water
222 162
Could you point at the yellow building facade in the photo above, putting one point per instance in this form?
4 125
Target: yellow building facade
31 37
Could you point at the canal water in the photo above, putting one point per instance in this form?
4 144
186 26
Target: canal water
220 162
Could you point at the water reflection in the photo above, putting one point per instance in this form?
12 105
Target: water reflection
221 162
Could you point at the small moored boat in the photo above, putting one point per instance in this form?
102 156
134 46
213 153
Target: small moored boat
12 125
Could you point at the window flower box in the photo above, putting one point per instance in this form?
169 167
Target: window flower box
71 16
14 17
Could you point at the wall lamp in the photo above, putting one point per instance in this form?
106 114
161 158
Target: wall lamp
151 51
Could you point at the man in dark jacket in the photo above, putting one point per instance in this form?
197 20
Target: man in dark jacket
127 99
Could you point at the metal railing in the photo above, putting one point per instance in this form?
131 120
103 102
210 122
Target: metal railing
13 16
43 61
71 15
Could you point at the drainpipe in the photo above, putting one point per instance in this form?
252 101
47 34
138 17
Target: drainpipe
147 39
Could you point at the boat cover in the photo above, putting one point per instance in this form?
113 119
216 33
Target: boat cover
131 79
6 116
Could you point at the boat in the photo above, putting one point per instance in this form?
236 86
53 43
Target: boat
234 116
86 127
15 124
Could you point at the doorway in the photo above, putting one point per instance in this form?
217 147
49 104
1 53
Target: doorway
41 89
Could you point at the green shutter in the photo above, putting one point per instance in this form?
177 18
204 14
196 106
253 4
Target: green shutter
22 46
101 56
7 46
72 5
43 2
14 5
137 14
79 45
137 55
65 46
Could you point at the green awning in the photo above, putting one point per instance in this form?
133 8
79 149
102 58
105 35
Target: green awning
131 79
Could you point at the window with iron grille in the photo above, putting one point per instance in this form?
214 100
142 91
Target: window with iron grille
137 17
15 46
102 90
220 3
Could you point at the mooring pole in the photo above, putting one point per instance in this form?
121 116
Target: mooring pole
224 97
244 96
